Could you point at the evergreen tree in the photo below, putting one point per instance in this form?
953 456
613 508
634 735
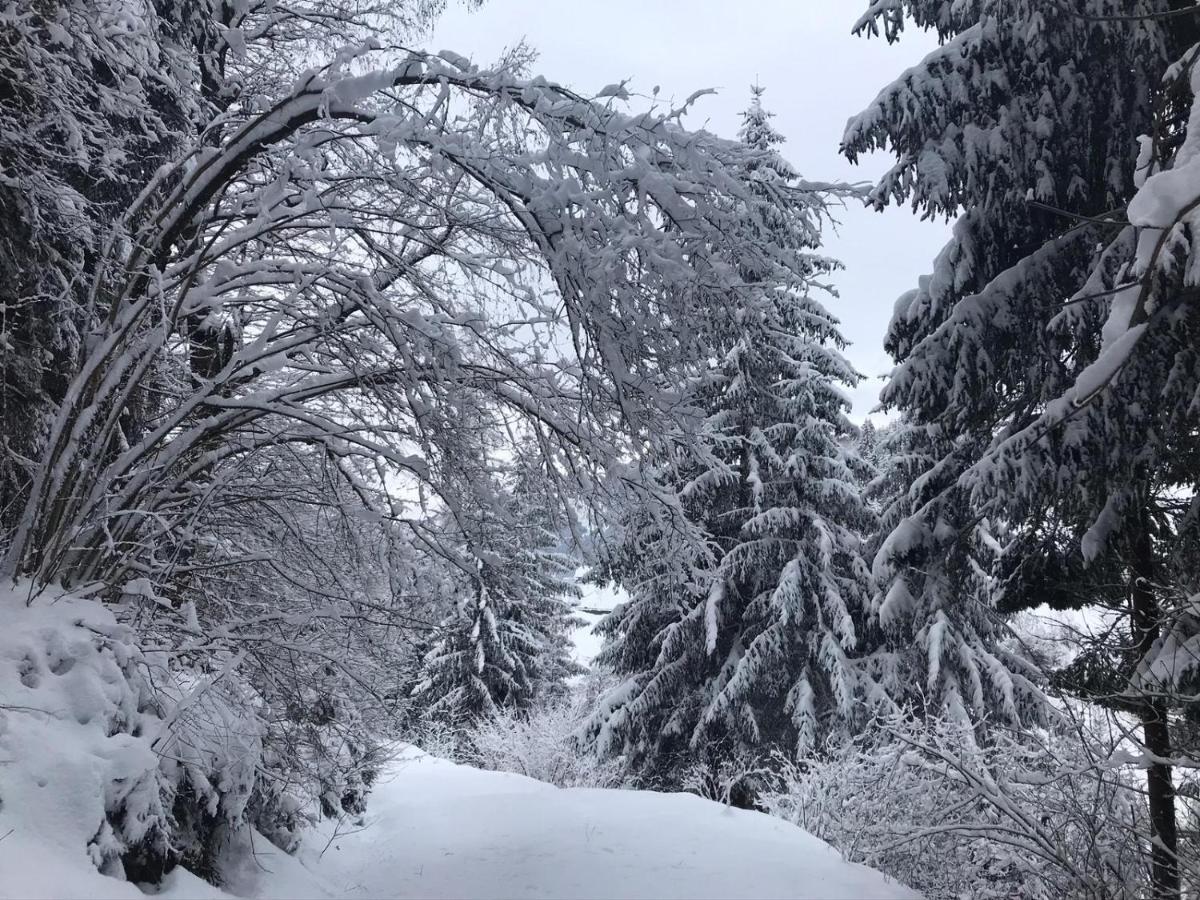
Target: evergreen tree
869 443
754 642
1045 464
507 644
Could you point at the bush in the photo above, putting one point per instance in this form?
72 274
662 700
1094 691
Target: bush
1055 814
541 743
725 773
157 760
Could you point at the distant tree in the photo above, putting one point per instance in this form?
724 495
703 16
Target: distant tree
507 644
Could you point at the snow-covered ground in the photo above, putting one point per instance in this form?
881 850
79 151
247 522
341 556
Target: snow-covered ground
433 829
436 829
443 830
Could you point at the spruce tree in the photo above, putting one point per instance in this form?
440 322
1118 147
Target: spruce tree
755 642
507 643
1044 462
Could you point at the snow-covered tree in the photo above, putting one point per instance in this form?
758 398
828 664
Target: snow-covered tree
258 263
1049 462
98 95
506 645
756 641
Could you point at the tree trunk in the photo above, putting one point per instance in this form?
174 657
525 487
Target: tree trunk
1160 791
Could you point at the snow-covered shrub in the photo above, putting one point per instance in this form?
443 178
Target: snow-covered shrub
1031 815
541 742
148 760
319 759
731 775
438 736
210 746
77 724
111 750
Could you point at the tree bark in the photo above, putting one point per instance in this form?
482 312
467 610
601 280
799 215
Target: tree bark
1160 789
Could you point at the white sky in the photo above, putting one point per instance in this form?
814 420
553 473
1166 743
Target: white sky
816 73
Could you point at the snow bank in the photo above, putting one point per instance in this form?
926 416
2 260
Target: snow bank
97 743
68 699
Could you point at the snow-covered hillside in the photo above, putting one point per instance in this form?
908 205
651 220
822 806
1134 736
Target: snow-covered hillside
437 829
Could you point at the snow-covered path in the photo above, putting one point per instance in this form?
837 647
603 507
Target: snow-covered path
439 830
434 829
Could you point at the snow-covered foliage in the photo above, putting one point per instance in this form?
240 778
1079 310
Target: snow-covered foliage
746 609
1046 369
103 100
542 742
356 331
941 642
732 775
504 641
78 712
505 644
140 759
1035 814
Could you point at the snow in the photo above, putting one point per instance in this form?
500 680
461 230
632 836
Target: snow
595 602
898 603
1166 196
442 830
59 692
1112 359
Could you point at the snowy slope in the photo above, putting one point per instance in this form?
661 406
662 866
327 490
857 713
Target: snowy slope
443 830
595 602
440 830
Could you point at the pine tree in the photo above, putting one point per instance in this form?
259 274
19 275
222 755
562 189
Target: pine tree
507 643
1044 463
754 643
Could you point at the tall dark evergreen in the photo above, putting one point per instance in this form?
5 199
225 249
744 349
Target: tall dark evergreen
1048 459
756 643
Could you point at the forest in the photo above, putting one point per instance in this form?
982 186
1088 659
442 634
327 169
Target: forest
348 386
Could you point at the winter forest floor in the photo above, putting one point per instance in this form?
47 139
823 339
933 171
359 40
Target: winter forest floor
439 830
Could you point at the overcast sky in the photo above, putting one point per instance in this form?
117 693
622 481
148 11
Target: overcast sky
816 74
